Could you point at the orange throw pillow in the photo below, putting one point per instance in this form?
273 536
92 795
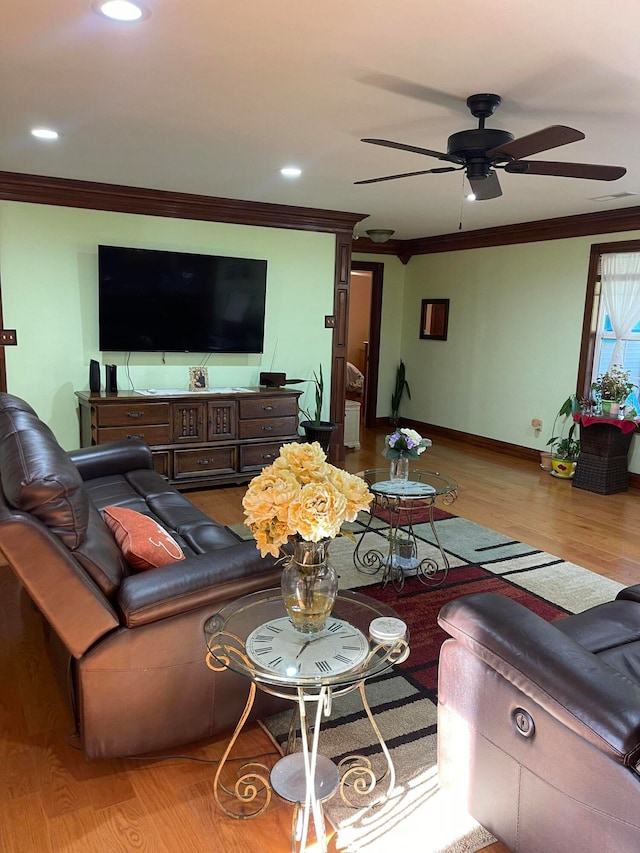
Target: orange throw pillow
143 542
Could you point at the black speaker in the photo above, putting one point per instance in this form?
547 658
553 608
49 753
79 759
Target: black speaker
111 385
273 380
94 376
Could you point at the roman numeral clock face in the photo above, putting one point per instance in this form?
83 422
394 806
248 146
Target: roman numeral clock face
277 646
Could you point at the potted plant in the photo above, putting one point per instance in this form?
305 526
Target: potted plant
401 386
314 428
564 449
613 388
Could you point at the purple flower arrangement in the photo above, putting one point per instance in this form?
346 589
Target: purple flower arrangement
405 443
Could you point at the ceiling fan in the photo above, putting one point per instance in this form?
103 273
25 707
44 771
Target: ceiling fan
482 150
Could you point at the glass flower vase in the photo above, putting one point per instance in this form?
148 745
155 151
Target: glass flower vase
309 585
399 468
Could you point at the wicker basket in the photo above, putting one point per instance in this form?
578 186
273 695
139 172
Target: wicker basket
605 440
605 475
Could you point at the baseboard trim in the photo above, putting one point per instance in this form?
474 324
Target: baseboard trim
484 443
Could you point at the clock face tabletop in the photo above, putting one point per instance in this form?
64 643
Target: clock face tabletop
254 637
420 485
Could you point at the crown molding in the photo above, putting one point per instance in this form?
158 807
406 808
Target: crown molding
66 192
579 225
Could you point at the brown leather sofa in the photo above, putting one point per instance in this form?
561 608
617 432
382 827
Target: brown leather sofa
539 722
133 644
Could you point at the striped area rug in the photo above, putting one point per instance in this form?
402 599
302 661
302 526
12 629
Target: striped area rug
404 701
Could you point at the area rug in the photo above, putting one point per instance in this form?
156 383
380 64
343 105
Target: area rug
404 701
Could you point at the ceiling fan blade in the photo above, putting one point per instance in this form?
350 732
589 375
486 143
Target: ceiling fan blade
541 140
437 171
413 148
566 170
486 188
411 89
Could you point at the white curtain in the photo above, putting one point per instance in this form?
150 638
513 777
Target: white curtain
620 275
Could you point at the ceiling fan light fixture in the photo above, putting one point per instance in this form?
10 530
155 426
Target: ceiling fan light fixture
380 235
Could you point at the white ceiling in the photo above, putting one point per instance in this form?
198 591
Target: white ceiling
215 97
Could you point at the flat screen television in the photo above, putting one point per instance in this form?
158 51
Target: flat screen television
163 301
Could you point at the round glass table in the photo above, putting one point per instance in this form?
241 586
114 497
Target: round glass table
395 503
254 637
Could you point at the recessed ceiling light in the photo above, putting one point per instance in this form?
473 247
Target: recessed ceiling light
471 196
121 10
44 133
291 172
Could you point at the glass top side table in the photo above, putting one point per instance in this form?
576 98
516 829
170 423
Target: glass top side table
400 499
254 637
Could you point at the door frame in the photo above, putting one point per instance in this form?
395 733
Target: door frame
375 322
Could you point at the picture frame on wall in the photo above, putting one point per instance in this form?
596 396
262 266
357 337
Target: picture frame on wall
434 319
198 379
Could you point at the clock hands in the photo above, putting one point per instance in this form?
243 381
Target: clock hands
305 644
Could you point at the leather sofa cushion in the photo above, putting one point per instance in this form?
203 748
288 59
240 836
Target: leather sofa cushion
38 477
100 556
144 543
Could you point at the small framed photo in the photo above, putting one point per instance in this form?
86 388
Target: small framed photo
198 379
434 319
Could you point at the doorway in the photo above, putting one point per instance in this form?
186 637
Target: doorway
363 337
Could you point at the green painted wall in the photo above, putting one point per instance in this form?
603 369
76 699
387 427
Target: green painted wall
515 325
48 271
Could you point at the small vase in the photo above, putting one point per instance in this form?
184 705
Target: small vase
399 468
309 585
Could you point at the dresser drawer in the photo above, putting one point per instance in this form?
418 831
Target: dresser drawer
268 407
253 457
268 427
204 460
149 434
132 413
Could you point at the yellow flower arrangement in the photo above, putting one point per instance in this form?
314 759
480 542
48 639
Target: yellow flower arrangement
301 494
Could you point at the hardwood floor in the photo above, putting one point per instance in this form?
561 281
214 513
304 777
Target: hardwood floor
53 800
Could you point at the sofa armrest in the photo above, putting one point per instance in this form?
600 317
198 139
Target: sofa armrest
629 593
584 693
114 457
202 579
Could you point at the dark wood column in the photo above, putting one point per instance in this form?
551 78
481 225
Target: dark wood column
339 350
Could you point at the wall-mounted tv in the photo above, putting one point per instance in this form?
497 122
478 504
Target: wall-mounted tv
163 301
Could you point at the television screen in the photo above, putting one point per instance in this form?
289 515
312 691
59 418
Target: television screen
163 301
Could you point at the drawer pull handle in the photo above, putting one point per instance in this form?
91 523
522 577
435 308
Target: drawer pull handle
267 455
134 435
134 414
204 461
267 428
267 408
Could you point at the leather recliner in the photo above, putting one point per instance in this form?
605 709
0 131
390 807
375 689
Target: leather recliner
133 644
539 722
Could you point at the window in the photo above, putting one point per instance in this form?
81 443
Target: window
613 301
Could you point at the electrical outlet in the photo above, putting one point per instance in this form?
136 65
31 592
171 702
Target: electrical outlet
8 338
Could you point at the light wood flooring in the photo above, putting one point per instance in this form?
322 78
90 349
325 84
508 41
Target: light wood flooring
53 800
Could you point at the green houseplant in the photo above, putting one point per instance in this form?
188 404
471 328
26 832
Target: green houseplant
315 429
564 448
401 386
613 387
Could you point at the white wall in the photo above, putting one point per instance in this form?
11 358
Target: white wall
48 271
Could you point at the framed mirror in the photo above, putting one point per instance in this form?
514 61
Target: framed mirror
434 319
